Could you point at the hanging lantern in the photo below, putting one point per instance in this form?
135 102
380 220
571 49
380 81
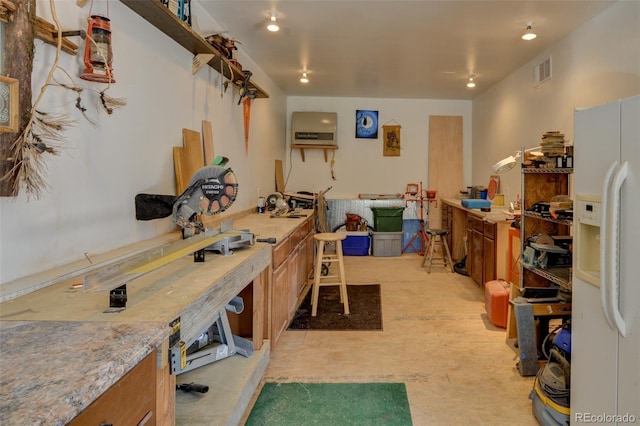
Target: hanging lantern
97 53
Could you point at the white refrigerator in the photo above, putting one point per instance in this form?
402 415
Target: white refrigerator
605 321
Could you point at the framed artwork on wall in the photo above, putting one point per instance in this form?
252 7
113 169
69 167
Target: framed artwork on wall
366 124
391 140
8 104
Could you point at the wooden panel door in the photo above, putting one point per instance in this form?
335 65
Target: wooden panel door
279 302
445 161
489 267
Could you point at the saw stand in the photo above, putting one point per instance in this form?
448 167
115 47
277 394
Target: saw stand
215 343
415 193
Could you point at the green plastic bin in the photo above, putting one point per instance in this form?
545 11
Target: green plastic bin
387 219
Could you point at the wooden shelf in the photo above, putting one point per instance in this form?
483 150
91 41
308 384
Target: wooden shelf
323 147
163 19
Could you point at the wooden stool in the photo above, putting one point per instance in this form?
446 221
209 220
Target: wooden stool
322 239
437 236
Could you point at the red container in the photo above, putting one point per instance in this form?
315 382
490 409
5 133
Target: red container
496 301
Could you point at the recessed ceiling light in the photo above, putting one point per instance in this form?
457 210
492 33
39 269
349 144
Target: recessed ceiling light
304 78
273 24
528 33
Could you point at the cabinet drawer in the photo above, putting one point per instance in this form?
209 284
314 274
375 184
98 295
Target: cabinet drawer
475 223
281 252
490 230
300 233
307 227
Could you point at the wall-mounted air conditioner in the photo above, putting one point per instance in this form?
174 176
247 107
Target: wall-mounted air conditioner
314 128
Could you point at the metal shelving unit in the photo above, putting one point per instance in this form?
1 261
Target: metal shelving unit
541 184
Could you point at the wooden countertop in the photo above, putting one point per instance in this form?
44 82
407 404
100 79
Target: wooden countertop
497 213
52 370
60 350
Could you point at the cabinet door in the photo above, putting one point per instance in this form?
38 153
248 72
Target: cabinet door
130 401
294 279
489 247
489 267
476 251
279 302
475 256
303 272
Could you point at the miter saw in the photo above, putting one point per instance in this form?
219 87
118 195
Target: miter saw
211 190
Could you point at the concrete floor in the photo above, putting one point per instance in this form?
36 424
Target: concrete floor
437 339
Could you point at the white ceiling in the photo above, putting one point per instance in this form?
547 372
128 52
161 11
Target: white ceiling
395 49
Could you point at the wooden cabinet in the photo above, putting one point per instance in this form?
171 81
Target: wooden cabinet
292 264
487 240
130 401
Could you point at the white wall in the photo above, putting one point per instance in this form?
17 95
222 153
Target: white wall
360 166
597 63
89 205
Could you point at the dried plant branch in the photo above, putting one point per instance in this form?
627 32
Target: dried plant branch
29 165
109 103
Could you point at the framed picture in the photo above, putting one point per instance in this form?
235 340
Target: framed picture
366 124
8 104
391 141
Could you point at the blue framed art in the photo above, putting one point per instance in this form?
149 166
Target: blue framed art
366 124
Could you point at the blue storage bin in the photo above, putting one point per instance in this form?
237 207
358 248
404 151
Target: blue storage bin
356 244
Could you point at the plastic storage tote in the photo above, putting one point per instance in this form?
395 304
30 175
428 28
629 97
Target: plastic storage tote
387 219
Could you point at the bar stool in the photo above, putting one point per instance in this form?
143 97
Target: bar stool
437 236
322 256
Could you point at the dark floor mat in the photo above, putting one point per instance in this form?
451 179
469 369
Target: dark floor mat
331 404
364 306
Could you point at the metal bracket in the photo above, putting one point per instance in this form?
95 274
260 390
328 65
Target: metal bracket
117 300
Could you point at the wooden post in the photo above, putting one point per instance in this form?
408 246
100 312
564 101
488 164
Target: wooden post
17 58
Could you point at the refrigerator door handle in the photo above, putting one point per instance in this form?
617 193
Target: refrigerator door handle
614 282
604 245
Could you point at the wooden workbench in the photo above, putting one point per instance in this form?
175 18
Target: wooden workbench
194 292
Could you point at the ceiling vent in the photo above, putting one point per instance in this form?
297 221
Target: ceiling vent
542 72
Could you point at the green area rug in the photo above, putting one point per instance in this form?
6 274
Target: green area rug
299 404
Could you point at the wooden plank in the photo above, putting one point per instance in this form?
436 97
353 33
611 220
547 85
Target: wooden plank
207 142
45 30
181 171
445 161
192 144
279 176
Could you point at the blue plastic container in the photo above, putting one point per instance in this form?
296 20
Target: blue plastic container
356 244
